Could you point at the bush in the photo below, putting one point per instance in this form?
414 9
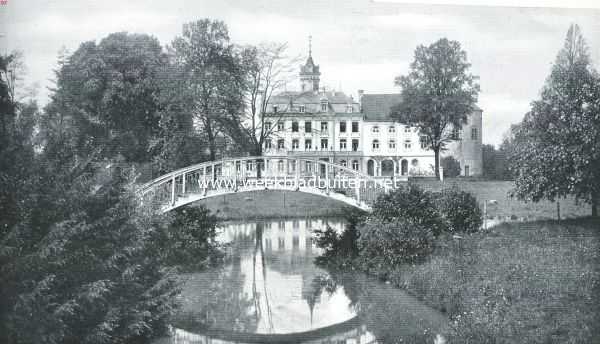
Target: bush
189 240
411 203
386 245
340 249
460 211
451 167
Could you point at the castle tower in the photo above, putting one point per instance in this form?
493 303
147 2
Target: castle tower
309 73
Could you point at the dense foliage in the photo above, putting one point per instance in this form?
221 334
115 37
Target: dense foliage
451 167
460 211
384 245
400 229
189 240
557 146
80 261
412 203
438 94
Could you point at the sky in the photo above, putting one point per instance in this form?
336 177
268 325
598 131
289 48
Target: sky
359 44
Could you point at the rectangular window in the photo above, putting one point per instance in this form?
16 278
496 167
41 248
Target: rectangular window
423 142
268 144
280 126
407 145
354 145
349 109
267 125
275 108
324 144
323 107
294 127
343 144
355 127
473 133
308 126
342 127
392 129
324 126
455 134
295 144
307 144
392 144
407 129
302 109
280 144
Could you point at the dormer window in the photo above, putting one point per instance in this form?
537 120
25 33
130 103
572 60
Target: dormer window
275 107
349 109
324 107
302 109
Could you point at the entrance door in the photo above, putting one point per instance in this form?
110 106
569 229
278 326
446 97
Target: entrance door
387 168
404 167
371 167
323 168
466 170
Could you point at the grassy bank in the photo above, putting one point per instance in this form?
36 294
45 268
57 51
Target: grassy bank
271 204
533 282
507 207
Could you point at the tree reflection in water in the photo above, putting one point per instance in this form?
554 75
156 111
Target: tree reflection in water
389 314
217 299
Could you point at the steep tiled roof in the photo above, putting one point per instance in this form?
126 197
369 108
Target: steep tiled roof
311 98
376 107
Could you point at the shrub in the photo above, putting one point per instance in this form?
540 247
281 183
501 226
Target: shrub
411 203
340 249
189 240
460 211
451 167
385 245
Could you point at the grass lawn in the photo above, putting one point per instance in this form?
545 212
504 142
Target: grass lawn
531 282
507 207
270 204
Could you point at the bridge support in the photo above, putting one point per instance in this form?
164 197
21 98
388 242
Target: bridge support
173 191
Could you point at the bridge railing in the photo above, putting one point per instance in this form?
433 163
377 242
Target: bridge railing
249 173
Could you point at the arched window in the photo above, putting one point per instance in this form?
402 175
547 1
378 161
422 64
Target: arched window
280 166
375 144
355 165
414 162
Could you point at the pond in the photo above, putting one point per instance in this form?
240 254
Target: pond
270 291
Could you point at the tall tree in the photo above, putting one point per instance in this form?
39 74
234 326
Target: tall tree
557 146
438 94
212 71
266 69
109 92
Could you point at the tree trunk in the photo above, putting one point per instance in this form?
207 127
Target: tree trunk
258 152
436 151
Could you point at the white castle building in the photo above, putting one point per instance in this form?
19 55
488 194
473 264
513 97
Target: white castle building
332 126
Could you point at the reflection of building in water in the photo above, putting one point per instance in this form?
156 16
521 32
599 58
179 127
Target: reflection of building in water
277 262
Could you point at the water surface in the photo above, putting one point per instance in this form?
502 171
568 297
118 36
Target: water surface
270 290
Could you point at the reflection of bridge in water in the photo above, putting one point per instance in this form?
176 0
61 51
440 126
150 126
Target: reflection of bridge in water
217 178
347 332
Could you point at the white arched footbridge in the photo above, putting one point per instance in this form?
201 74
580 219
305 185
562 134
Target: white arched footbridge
245 174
